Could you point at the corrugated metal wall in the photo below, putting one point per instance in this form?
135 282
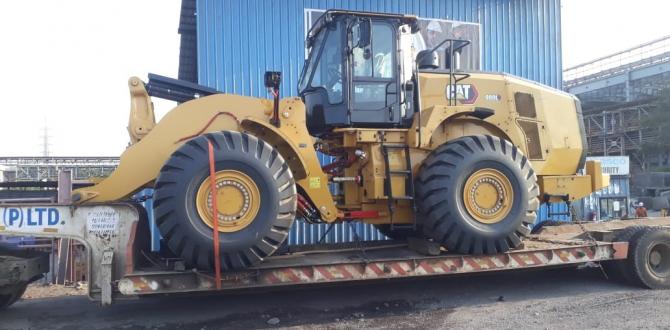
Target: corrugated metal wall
239 40
305 233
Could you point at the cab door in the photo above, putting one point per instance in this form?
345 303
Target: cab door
322 89
374 99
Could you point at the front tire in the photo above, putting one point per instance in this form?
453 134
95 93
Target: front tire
477 195
256 197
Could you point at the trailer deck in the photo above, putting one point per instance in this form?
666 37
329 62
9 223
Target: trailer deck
390 262
120 265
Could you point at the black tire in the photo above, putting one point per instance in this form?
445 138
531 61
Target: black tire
175 200
12 295
649 259
19 293
398 234
547 223
622 269
440 186
6 300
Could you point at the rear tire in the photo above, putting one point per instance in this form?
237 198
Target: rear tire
649 259
245 163
498 169
622 269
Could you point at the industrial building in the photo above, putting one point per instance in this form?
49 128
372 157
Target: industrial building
618 92
228 45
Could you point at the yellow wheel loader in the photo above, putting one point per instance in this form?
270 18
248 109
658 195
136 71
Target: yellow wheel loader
460 158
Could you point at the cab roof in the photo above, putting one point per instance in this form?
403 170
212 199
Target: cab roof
331 14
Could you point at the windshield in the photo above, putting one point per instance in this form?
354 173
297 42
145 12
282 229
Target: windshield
311 62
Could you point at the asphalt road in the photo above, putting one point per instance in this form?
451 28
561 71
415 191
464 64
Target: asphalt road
547 299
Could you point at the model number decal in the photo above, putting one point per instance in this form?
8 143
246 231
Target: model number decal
16 217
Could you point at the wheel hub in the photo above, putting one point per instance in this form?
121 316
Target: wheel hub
659 260
237 199
488 196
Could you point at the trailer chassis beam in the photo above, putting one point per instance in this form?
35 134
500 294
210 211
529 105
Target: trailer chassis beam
108 232
264 277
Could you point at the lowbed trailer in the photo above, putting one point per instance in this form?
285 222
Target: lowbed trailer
121 266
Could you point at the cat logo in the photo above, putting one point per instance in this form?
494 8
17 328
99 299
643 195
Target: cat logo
466 94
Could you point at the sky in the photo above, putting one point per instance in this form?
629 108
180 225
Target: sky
595 28
66 63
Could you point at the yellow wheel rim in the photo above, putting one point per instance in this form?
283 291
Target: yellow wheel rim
238 201
488 196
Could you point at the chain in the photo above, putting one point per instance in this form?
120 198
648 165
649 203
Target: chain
551 241
595 242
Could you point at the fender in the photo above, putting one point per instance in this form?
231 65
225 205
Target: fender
428 120
280 141
458 120
295 144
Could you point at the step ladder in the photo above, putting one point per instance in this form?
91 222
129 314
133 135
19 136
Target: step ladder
388 183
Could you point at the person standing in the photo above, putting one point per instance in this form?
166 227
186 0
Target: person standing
641 211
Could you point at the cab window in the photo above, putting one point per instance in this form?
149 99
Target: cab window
328 73
373 68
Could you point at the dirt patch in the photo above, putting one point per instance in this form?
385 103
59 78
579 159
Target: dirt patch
37 291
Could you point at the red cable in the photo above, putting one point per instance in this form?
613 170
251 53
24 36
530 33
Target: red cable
211 120
215 214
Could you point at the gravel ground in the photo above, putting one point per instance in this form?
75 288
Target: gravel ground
547 299
38 291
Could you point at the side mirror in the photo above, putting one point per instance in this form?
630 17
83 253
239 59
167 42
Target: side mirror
453 62
428 59
361 33
272 79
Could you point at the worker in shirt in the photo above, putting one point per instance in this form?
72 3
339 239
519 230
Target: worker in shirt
641 211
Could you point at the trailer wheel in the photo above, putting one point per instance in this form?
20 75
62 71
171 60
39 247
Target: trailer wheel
476 195
12 295
621 269
6 300
649 255
256 197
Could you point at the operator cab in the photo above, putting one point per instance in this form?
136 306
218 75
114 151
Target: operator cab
360 71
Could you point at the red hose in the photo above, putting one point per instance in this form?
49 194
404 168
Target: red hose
215 214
